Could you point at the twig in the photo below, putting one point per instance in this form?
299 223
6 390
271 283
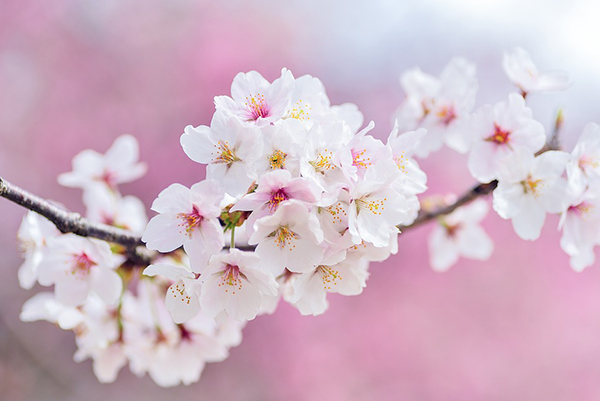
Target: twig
474 193
70 222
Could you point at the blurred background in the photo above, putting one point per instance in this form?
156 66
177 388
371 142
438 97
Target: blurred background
75 74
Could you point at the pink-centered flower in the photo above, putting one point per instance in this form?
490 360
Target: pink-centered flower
273 189
255 100
187 217
500 130
78 266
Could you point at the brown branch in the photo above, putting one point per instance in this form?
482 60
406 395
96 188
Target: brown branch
474 193
70 222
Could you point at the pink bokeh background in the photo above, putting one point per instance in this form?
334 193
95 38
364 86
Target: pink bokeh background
77 74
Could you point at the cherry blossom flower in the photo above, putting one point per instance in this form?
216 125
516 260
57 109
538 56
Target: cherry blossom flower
105 206
273 189
584 166
337 274
33 233
375 205
459 234
580 224
520 69
289 238
412 179
117 166
280 149
233 283
171 353
528 188
78 266
500 130
44 306
321 158
439 105
188 217
362 152
255 100
228 147
181 298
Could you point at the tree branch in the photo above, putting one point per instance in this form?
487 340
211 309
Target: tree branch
70 222
474 193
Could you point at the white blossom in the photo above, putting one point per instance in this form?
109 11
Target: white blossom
78 266
528 188
522 72
117 166
233 283
289 238
188 217
500 130
228 147
460 234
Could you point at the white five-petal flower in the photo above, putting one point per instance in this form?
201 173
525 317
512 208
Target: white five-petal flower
500 130
528 188
234 283
188 217
78 266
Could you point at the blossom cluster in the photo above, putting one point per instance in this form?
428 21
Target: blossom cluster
298 199
117 315
296 178
507 146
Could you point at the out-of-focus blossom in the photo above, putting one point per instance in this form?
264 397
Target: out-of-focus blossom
78 266
117 166
580 224
460 234
438 104
105 206
584 166
33 233
522 72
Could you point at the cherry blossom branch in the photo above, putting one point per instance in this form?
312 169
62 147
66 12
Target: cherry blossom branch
71 222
